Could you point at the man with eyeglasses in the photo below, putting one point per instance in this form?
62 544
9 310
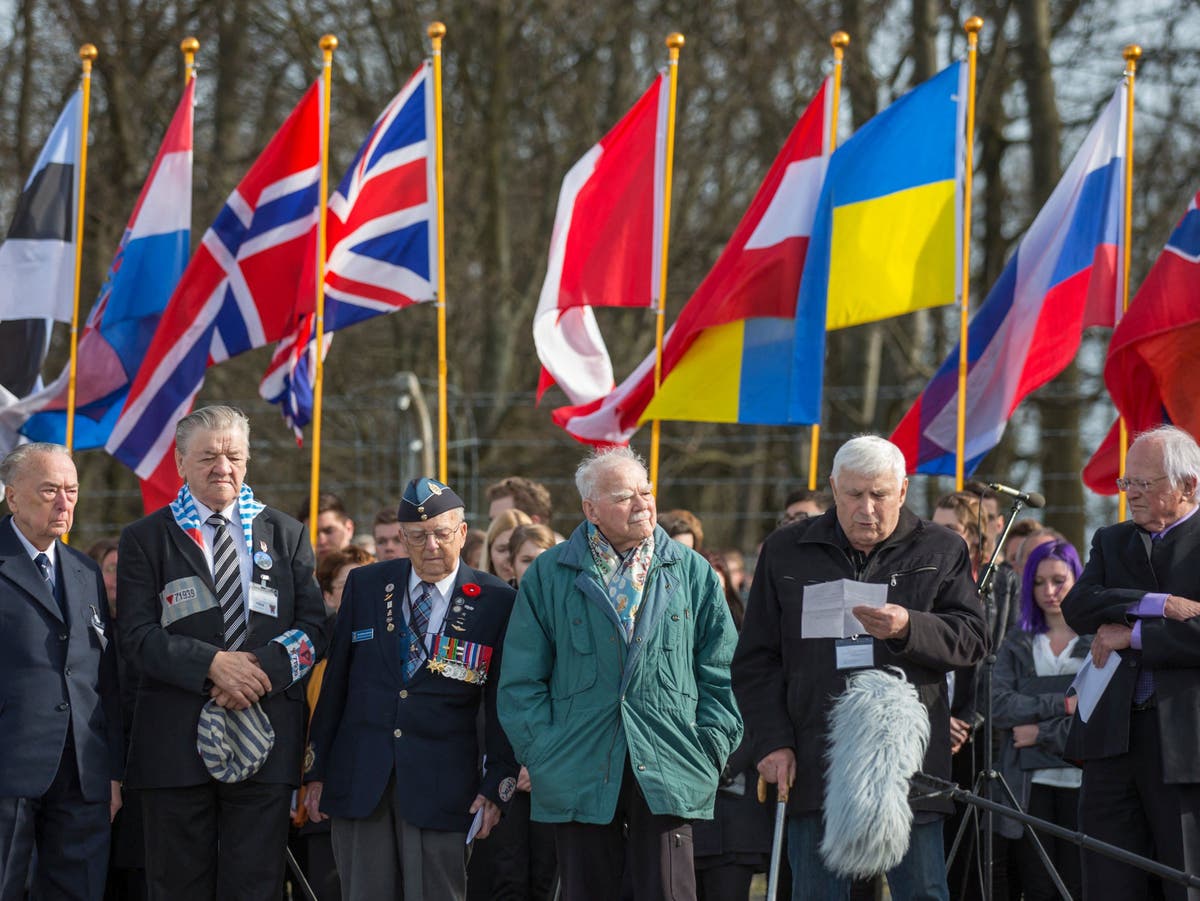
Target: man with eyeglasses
1140 747
394 756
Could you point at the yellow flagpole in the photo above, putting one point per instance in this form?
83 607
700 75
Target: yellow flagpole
189 47
437 31
972 27
839 41
675 41
87 54
328 44
1132 54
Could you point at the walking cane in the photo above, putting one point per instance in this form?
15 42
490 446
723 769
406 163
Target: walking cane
781 799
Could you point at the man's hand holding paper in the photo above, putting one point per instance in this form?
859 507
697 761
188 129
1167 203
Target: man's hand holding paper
830 608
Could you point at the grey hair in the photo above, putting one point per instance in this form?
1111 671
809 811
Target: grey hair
600 461
869 455
1180 453
10 466
214 419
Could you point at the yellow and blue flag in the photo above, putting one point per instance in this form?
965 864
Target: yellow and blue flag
887 231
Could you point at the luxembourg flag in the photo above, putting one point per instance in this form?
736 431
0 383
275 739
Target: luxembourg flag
1064 277
606 248
726 358
150 258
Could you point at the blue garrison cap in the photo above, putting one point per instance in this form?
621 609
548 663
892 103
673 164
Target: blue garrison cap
425 498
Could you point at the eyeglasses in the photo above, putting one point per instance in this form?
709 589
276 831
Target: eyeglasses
1137 484
418 537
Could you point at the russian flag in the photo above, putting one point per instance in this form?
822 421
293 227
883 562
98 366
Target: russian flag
727 355
1064 277
1155 351
605 249
150 258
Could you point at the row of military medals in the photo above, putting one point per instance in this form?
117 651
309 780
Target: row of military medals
449 667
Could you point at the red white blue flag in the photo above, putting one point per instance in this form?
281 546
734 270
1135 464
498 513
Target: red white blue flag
1064 277
382 231
149 261
231 298
1154 354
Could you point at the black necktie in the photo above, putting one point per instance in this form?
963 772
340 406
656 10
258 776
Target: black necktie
227 576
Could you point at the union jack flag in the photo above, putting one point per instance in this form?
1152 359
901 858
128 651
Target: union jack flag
381 243
233 296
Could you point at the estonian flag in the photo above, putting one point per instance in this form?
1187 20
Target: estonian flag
37 257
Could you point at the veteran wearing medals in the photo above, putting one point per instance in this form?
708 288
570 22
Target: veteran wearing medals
616 691
394 757
222 617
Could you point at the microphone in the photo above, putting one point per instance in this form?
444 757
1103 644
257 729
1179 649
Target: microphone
878 733
1032 499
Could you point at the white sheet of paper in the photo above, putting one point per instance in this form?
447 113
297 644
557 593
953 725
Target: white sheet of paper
827 607
475 825
1091 681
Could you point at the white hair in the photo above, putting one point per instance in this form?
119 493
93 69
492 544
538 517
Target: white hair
595 464
212 419
1180 453
869 455
10 466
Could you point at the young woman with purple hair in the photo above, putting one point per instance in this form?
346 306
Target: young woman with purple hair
1034 666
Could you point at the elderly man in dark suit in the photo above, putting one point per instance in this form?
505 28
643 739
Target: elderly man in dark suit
219 609
1140 747
394 756
60 721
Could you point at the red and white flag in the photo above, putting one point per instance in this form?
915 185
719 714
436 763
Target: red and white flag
606 248
755 280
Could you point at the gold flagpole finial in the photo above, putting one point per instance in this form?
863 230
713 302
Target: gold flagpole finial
436 31
88 53
973 25
839 41
1132 53
189 45
675 40
329 43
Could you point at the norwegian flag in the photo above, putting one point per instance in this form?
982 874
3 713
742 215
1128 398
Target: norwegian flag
233 296
381 244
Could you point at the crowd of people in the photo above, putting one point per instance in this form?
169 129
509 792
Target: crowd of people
211 707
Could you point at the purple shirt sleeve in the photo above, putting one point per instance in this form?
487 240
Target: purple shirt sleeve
1151 604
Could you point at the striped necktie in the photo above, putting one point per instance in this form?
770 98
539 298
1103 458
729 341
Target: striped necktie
422 606
227 576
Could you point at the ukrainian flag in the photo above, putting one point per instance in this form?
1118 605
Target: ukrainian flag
887 230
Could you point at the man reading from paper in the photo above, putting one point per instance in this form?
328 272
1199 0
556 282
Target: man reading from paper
785 682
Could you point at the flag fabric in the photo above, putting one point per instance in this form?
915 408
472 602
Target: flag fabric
37 258
726 358
886 235
37 267
149 260
1063 277
605 249
234 296
1155 350
381 240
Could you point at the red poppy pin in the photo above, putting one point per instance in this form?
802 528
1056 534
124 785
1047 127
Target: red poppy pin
471 590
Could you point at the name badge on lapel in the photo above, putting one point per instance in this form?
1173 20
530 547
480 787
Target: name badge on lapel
855 653
264 600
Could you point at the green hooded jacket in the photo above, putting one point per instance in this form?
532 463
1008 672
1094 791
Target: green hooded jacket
575 699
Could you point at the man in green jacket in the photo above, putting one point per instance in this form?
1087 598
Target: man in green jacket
615 690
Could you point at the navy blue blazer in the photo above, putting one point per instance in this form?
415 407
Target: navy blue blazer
55 675
370 722
171 628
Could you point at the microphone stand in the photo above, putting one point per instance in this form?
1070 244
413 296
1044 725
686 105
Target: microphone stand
988 773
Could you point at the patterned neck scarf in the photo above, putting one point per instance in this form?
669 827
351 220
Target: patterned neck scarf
623 576
187 517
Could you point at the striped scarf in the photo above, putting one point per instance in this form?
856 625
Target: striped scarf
183 508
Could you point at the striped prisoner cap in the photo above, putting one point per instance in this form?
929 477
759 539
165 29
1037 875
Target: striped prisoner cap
233 744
